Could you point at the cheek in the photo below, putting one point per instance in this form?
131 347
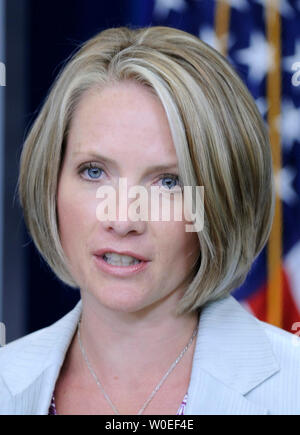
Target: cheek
176 245
189 245
76 215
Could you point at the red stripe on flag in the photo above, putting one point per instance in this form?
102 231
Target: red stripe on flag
290 313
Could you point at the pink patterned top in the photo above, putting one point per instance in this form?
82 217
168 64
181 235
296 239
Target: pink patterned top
181 409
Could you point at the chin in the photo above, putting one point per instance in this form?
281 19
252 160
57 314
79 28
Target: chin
123 301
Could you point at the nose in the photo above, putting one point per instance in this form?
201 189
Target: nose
125 219
123 228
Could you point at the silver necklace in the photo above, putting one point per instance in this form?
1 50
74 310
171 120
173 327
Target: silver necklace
174 364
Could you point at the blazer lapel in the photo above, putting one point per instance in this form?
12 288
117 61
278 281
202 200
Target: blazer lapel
30 379
232 356
210 396
33 400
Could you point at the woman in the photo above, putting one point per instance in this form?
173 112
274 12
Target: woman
156 330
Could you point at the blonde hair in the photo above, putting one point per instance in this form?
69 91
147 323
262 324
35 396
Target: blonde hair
219 136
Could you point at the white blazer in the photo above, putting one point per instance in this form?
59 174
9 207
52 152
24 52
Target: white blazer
240 365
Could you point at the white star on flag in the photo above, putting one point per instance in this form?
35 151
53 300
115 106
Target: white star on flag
289 124
288 61
259 57
262 105
163 7
285 8
241 5
283 185
208 35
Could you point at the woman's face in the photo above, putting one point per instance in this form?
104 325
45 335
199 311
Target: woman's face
122 131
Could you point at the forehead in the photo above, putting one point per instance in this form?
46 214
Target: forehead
124 117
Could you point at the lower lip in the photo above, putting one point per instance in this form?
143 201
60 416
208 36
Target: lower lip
120 270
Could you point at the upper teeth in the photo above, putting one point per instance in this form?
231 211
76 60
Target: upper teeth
120 260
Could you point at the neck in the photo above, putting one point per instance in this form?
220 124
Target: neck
118 342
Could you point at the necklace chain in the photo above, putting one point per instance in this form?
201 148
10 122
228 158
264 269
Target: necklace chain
172 367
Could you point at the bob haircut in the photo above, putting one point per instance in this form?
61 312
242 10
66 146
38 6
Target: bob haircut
220 139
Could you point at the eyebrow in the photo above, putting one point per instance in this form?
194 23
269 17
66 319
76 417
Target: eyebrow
96 156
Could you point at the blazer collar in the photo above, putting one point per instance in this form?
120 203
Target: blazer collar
39 351
232 356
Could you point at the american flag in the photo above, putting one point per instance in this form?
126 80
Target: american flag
261 39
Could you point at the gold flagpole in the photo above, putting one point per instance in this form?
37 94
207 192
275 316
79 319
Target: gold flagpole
222 24
275 281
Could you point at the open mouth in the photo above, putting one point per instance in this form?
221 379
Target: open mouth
120 260
120 265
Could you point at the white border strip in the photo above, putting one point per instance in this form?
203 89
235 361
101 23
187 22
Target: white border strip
2 123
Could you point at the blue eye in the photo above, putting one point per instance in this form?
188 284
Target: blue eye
94 172
172 181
